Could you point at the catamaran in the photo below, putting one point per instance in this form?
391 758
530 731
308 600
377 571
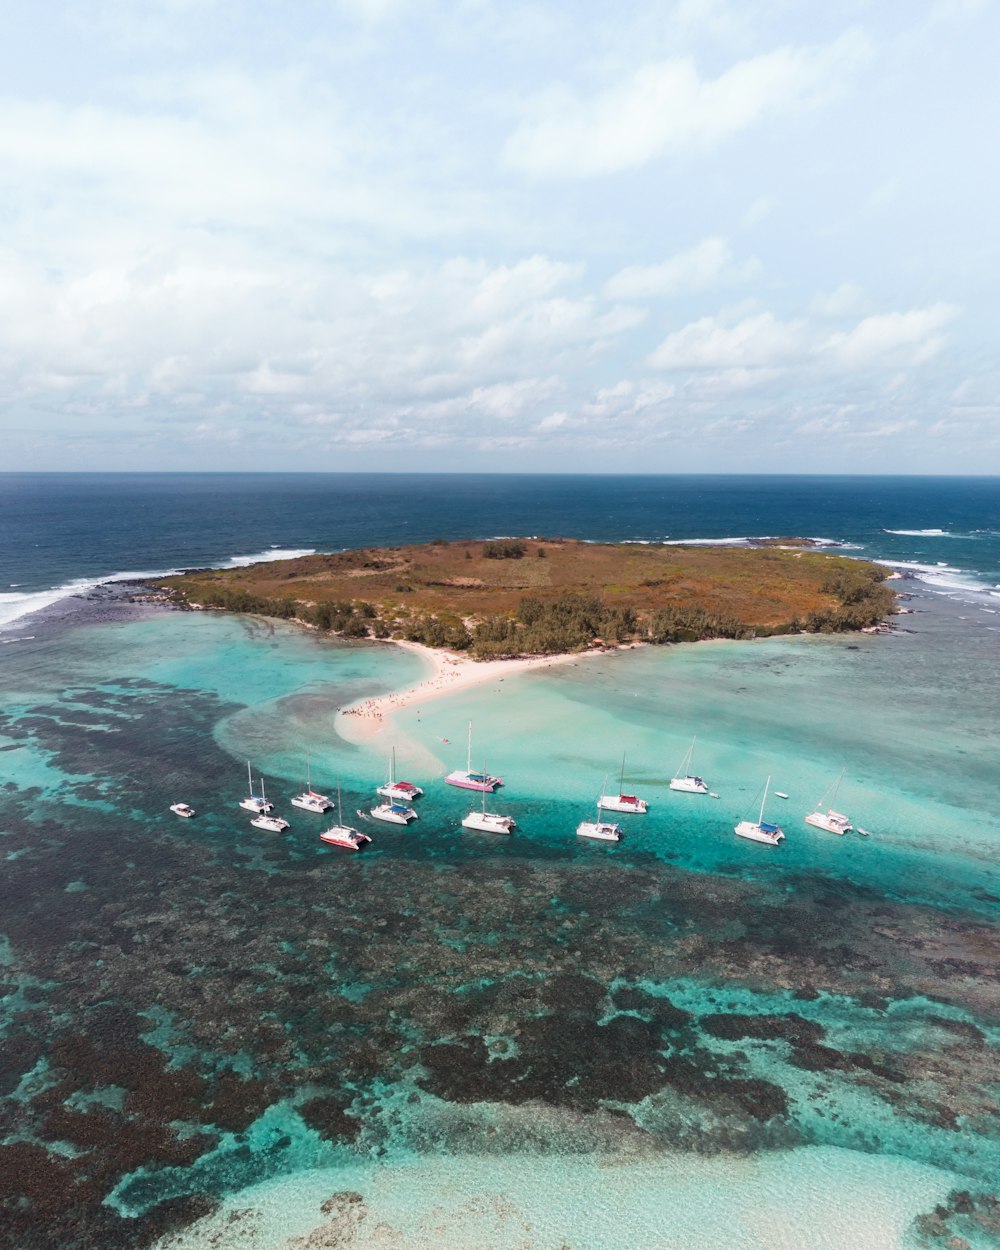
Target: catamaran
831 821
255 803
602 830
686 781
621 802
309 800
404 791
760 830
343 835
488 822
272 824
466 779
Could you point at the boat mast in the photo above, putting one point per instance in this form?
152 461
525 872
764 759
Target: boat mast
621 779
762 802
836 788
468 754
249 779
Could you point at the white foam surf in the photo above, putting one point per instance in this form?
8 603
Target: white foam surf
262 557
931 533
942 577
15 605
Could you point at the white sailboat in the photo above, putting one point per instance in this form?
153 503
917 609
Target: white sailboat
488 822
601 830
684 780
404 791
466 779
309 800
830 820
343 835
272 824
621 802
760 830
255 803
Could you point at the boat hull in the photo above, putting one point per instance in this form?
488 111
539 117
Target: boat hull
270 824
490 823
317 803
393 816
343 835
689 785
830 823
259 806
470 781
182 809
620 803
404 792
754 833
599 830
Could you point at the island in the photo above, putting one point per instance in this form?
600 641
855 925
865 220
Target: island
516 597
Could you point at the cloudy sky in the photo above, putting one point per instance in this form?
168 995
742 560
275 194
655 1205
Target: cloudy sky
693 235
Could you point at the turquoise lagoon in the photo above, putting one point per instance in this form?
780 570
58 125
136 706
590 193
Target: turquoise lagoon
679 1041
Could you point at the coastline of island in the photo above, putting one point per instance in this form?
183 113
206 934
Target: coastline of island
532 601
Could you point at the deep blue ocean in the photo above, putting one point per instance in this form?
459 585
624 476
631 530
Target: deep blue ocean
214 1037
56 528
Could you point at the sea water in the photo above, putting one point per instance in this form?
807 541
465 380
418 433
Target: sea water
682 1040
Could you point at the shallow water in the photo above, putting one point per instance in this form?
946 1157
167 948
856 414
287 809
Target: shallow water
684 1038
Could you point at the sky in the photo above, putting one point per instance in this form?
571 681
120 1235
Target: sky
466 235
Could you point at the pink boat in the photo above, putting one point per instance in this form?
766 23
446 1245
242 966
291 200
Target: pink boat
466 779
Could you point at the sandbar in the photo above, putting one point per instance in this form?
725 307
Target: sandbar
451 672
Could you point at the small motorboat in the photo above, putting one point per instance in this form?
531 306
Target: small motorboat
182 809
865 833
780 794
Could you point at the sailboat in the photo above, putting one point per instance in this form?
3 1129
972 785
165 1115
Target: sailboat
273 824
602 830
684 780
488 822
393 789
621 802
341 834
760 830
309 800
253 803
831 821
468 780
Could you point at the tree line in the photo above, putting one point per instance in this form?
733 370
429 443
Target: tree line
566 623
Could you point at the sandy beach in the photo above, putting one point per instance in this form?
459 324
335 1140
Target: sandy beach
450 671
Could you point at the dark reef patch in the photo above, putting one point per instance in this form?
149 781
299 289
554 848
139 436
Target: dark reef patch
480 978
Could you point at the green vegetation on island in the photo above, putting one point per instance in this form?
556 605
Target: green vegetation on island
511 597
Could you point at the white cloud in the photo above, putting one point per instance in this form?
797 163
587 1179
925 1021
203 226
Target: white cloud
709 263
720 343
912 337
666 106
761 342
